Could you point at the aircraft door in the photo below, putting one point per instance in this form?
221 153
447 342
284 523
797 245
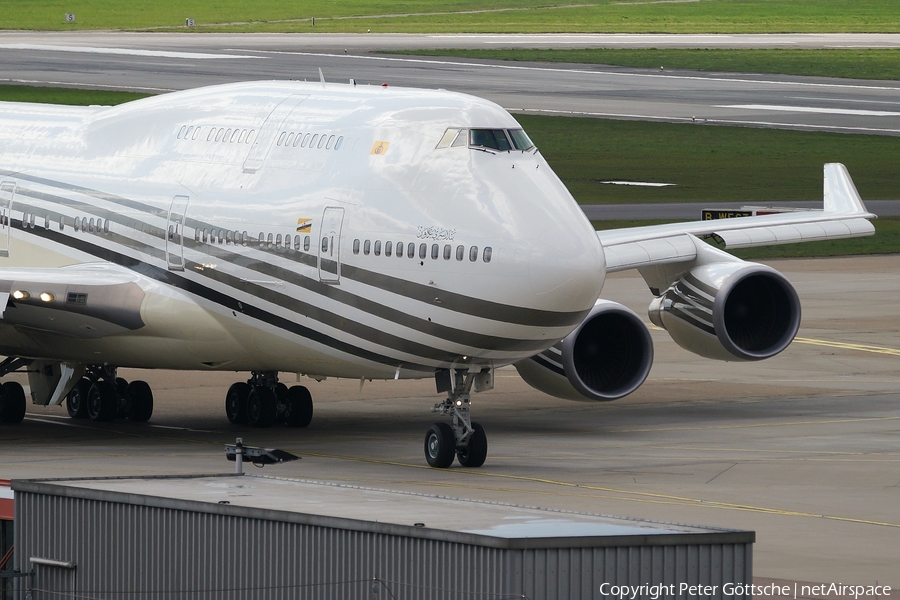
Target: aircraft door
175 233
330 245
7 192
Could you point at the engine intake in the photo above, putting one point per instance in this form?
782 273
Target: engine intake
606 357
730 311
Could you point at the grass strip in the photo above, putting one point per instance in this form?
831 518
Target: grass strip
707 163
68 96
464 16
857 63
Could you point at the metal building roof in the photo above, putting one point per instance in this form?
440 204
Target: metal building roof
357 508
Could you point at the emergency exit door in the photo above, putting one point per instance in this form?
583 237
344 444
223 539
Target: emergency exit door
330 245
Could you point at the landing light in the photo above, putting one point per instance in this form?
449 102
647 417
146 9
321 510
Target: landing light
47 297
21 295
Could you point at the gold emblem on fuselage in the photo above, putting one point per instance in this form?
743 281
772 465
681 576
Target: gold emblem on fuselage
380 148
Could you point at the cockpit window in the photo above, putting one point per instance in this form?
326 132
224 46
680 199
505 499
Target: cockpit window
494 139
502 140
448 138
520 139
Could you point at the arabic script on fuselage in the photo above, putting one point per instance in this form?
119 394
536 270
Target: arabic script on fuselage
436 233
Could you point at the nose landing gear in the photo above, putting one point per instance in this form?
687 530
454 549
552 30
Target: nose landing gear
464 438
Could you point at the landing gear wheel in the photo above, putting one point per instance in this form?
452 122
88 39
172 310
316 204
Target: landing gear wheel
440 445
12 402
139 401
262 407
473 455
282 405
123 407
77 399
101 404
300 407
236 403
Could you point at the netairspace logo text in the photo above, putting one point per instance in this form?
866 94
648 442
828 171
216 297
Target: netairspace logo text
672 590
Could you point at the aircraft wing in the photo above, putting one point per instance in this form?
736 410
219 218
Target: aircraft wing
843 216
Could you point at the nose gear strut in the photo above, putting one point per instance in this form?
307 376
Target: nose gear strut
463 438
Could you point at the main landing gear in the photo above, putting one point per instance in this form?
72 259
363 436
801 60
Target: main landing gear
465 439
263 401
12 402
103 396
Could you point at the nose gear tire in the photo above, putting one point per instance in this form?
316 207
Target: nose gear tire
440 445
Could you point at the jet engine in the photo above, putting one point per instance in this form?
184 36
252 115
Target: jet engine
606 357
730 311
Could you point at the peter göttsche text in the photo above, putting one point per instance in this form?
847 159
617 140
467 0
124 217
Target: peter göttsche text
664 592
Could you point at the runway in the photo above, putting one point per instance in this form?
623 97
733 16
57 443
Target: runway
801 448
164 62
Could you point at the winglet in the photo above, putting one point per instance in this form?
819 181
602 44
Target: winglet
840 193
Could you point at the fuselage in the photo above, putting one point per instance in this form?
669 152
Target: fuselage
323 229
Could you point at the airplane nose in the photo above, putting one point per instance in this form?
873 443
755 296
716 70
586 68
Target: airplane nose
567 267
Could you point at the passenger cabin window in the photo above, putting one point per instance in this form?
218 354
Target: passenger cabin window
367 247
356 246
387 248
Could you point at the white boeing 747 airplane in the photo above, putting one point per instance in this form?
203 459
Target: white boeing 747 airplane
332 230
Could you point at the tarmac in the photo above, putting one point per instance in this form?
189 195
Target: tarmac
803 448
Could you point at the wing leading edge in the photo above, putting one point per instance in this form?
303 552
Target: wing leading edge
843 216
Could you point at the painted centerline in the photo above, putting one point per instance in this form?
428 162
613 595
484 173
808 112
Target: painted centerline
812 109
122 51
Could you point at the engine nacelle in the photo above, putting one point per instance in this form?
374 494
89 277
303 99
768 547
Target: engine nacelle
608 356
730 311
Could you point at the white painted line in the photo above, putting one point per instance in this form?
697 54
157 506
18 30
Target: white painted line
812 109
122 51
55 423
181 428
638 183
857 100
